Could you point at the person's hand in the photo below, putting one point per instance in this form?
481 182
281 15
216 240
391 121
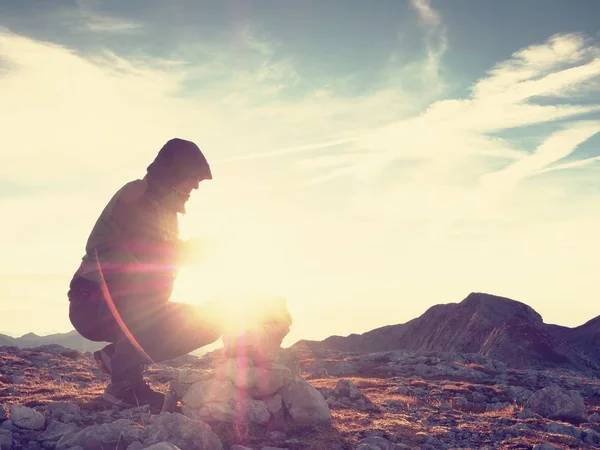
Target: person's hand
191 251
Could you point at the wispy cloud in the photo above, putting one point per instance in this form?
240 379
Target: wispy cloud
102 24
96 22
436 41
556 147
426 13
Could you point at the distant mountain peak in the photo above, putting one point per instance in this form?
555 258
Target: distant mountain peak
486 324
496 307
30 336
71 339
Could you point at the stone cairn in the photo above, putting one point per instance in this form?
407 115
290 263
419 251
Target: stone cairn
249 384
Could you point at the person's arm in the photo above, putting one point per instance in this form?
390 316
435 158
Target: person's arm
126 224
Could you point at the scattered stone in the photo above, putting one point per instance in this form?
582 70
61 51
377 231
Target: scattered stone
591 437
560 428
304 404
525 413
56 430
162 446
6 440
556 403
476 406
24 417
347 395
377 442
183 432
594 418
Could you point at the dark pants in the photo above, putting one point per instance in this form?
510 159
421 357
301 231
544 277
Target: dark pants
145 333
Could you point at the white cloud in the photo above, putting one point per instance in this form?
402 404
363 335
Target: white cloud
426 12
387 176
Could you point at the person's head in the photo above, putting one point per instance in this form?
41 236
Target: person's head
176 171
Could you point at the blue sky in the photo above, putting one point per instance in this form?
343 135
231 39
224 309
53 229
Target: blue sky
371 159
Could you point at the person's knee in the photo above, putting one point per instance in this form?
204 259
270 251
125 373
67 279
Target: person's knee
212 332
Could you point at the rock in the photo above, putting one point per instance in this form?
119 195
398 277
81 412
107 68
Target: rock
497 406
6 440
460 402
526 413
190 376
3 413
373 433
346 388
553 402
28 418
124 431
445 406
136 445
560 428
260 382
248 383
274 404
594 418
264 323
58 410
185 433
545 447
346 394
478 397
519 393
377 442
56 430
276 435
162 446
305 404
209 391
239 447
591 437
367 447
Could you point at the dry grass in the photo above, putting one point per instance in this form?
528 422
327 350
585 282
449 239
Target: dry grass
404 415
504 413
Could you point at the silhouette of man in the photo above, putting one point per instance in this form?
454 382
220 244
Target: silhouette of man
120 292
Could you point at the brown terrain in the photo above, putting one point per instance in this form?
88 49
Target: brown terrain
489 374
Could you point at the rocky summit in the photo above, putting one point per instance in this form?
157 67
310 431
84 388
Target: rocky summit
50 399
492 326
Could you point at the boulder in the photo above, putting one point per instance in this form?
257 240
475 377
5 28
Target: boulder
553 402
28 418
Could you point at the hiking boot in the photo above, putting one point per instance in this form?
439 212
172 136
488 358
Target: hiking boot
102 358
131 393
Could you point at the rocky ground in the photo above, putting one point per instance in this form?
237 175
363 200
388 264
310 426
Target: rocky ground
49 399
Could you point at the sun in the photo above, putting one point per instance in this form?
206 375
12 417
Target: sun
239 274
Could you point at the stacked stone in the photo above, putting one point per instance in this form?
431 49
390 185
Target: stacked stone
248 384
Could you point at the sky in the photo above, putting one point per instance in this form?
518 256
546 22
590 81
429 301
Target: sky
370 159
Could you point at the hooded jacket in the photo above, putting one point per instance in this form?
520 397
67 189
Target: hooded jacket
134 245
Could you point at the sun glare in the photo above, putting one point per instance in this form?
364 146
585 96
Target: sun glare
239 275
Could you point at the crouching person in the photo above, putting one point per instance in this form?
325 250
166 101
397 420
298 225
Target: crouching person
120 292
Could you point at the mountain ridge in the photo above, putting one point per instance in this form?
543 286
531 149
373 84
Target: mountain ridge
494 326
